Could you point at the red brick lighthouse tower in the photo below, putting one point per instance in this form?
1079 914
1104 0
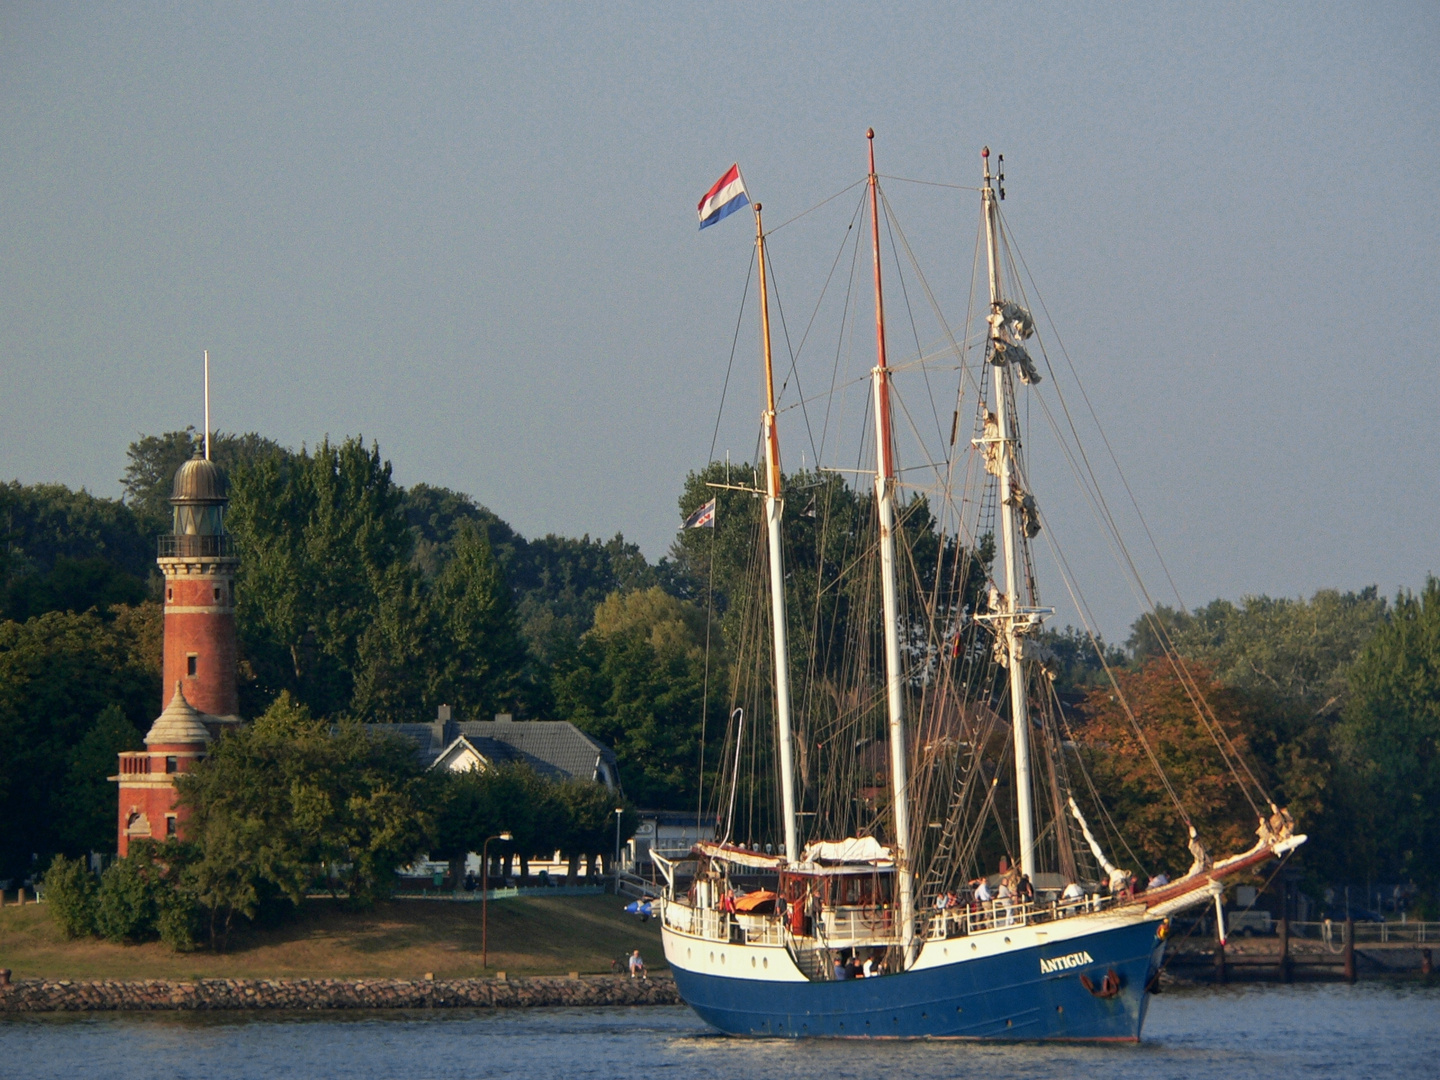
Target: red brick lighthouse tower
200 696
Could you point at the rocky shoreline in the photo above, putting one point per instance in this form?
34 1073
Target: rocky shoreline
201 995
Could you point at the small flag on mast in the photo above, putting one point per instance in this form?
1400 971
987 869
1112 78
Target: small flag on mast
722 200
703 518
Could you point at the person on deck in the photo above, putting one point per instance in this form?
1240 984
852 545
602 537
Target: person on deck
1072 896
841 973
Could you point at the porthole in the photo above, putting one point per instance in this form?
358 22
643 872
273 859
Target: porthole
752 961
712 957
958 1010
1007 941
687 953
722 958
973 946
765 962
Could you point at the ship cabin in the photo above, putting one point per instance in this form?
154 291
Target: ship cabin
836 899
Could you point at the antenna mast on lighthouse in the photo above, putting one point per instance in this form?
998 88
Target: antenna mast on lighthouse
207 404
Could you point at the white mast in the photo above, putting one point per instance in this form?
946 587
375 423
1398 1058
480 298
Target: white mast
207 404
894 673
1010 615
774 513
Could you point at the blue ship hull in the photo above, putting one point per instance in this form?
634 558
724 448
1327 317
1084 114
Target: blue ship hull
997 997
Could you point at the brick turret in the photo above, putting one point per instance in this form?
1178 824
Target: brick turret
176 741
199 565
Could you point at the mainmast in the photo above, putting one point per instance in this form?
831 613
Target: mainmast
894 674
774 512
1010 617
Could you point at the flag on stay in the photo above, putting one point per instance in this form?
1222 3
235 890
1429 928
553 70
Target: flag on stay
722 200
703 518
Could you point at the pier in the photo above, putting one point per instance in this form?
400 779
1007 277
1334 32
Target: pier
1329 950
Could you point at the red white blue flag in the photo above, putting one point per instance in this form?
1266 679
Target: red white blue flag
703 518
722 200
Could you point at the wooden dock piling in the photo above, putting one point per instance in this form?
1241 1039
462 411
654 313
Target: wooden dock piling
1219 961
1287 969
1349 949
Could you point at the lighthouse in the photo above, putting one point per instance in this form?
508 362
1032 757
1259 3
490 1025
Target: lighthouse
200 697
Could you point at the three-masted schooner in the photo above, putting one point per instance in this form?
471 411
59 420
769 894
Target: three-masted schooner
839 937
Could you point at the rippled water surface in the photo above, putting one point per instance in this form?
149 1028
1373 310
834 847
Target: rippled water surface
1269 1032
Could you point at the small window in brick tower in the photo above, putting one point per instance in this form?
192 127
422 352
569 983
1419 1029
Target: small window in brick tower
171 825
172 764
169 594
217 594
192 662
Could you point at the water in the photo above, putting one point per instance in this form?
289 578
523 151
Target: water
1269 1032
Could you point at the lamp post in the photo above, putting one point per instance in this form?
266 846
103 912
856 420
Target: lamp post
485 897
619 813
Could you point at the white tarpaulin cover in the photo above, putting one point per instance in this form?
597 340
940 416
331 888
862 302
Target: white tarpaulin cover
851 849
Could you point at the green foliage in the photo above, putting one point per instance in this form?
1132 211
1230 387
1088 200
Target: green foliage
637 684
150 475
1297 651
146 895
1392 739
73 896
575 817
287 797
89 820
325 548
482 669
58 674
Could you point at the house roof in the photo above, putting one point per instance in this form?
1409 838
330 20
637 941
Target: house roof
556 749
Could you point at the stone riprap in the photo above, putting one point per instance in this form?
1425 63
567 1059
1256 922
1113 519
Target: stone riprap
74 995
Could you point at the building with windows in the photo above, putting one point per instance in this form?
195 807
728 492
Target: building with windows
201 694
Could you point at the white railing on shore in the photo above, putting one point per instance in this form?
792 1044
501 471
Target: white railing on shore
1332 931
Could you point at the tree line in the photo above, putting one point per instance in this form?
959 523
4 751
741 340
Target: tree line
290 806
361 600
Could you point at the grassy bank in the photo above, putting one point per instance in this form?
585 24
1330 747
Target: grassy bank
398 939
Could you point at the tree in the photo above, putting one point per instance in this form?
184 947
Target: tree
58 674
89 821
288 799
479 658
638 684
325 549
150 475
1135 796
1391 737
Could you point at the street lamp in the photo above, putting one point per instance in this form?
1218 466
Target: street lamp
619 813
485 897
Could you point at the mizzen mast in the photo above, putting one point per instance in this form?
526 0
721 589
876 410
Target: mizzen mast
774 514
1011 621
894 673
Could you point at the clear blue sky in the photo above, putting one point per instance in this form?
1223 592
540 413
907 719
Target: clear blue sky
468 232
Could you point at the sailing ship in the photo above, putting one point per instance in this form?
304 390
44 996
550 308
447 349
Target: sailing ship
774 935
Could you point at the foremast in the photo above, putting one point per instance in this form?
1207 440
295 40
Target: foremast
774 515
885 477
1012 621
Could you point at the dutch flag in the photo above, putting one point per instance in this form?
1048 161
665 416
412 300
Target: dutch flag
722 200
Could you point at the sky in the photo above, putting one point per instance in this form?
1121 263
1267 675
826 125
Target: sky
468 232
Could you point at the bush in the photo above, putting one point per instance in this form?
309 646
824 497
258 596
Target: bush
127 911
73 896
147 895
